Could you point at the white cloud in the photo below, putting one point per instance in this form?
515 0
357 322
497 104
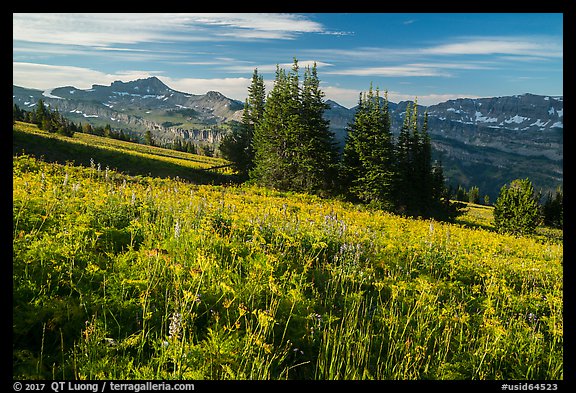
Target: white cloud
106 29
457 66
271 68
427 99
408 70
349 97
520 46
279 26
42 76
86 29
511 48
235 88
343 96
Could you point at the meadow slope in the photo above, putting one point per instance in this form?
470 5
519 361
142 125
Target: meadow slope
121 277
127 157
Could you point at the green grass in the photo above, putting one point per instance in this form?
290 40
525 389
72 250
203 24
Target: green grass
482 216
477 216
130 158
120 277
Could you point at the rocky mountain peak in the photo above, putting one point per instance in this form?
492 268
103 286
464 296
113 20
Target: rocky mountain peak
151 85
214 95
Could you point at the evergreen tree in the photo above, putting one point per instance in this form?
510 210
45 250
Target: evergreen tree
270 143
318 153
231 146
420 188
190 147
439 189
516 210
237 146
474 195
405 176
17 113
293 147
423 188
51 121
462 194
46 124
256 98
87 128
553 209
351 166
441 207
292 151
368 158
41 116
148 138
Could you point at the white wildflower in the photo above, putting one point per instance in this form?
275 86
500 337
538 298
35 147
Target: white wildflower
175 326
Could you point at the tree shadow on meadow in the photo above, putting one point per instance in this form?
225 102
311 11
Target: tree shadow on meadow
61 151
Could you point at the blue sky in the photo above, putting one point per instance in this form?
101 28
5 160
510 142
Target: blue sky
430 56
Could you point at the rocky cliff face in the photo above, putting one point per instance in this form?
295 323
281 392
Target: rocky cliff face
527 125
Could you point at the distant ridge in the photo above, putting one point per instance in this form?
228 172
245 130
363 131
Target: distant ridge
483 141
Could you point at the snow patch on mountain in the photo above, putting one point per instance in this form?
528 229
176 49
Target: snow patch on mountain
540 123
516 119
485 119
48 94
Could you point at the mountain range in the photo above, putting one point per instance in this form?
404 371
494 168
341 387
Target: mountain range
484 142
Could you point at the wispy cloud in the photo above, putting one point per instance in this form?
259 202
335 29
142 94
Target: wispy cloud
30 51
105 29
271 68
86 29
274 26
519 46
514 47
409 70
468 53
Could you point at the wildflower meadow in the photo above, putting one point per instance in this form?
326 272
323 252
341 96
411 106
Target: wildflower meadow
121 277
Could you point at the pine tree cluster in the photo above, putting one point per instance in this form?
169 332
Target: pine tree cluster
51 121
399 176
54 122
284 142
293 148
